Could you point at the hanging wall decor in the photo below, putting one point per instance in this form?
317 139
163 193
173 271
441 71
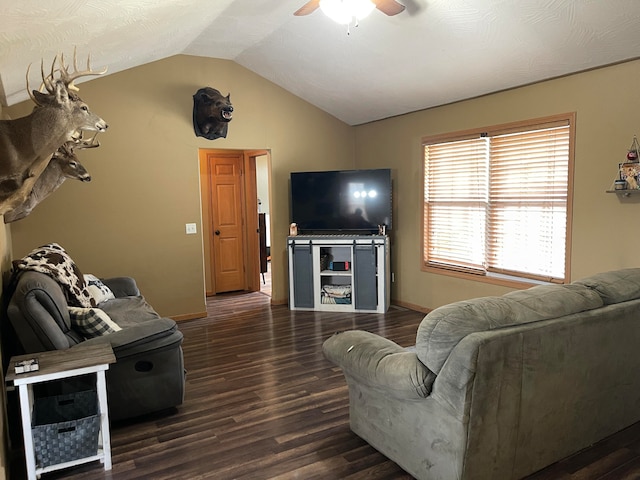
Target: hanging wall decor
628 178
633 155
212 113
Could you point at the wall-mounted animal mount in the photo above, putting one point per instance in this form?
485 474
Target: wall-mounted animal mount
212 113
28 143
64 164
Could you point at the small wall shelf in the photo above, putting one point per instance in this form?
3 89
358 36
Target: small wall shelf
625 193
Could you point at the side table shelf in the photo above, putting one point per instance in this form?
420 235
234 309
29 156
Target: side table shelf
56 365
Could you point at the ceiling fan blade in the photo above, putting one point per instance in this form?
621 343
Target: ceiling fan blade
389 7
307 8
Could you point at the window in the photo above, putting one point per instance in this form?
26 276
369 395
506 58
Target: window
497 201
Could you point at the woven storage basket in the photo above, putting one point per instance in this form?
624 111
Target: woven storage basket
66 428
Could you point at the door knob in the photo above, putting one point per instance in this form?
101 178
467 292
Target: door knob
217 232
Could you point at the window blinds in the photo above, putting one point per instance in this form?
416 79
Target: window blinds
456 200
498 202
528 203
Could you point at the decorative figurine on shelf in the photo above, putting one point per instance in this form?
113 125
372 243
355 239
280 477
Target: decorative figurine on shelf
633 155
630 172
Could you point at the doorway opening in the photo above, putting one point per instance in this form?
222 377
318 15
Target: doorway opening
235 224
263 170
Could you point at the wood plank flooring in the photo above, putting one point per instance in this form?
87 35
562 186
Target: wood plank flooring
263 403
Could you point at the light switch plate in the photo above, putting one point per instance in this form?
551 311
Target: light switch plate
191 228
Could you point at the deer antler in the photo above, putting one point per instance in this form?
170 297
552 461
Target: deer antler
68 78
31 95
79 142
48 81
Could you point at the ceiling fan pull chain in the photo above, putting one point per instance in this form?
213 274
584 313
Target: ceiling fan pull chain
355 24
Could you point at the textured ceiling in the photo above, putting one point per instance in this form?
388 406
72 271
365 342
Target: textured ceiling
435 52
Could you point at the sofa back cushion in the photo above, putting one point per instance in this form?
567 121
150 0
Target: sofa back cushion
615 286
53 260
442 329
129 311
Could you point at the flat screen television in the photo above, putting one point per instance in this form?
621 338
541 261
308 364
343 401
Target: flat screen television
341 201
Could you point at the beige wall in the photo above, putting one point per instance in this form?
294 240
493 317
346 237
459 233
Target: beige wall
606 228
130 220
5 267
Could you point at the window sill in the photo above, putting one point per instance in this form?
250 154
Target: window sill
491 278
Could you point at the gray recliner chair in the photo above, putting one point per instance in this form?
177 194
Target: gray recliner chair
148 375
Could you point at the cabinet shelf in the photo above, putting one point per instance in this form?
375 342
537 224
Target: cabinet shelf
335 273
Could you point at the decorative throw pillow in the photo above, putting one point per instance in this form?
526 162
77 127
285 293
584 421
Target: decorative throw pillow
98 290
92 322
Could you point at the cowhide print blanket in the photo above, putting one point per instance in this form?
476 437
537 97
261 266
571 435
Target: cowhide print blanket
53 260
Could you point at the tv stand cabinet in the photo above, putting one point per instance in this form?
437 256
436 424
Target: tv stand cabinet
339 273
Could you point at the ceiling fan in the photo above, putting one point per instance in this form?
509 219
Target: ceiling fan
388 7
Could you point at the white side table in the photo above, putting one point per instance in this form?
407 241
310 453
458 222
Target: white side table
55 365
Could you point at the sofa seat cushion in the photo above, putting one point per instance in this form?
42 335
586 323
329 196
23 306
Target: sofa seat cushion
444 327
615 287
129 311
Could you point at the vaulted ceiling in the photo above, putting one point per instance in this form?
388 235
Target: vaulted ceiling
433 53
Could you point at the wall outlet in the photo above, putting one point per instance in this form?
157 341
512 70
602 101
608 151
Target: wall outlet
191 228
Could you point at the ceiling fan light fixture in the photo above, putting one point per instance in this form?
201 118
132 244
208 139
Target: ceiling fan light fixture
346 11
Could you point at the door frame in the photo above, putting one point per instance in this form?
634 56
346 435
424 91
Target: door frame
249 206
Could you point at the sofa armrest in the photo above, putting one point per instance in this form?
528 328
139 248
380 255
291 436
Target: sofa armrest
122 286
380 363
39 315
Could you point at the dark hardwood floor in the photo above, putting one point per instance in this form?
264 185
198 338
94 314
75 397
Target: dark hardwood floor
263 403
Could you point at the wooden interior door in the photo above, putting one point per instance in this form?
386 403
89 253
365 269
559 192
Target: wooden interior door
228 245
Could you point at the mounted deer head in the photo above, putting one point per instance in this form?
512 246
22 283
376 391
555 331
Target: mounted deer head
27 143
64 164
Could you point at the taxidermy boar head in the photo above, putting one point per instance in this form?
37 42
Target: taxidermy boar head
211 113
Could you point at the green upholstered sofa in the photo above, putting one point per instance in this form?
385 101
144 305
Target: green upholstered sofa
500 387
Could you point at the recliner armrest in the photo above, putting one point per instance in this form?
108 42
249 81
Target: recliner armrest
122 286
380 363
39 314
